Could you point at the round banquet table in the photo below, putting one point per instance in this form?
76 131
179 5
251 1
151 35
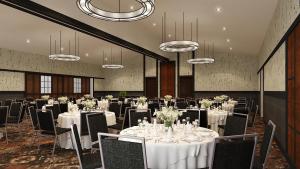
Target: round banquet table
228 107
216 117
186 148
65 120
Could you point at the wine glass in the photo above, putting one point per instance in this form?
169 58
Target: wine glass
187 119
139 122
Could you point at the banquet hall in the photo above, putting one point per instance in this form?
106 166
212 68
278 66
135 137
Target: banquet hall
149 84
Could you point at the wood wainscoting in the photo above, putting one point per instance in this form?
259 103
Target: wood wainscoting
151 87
186 87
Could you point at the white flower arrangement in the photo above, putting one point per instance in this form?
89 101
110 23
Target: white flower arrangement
205 103
219 99
87 96
142 100
225 97
109 97
62 99
88 104
45 97
168 97
168 115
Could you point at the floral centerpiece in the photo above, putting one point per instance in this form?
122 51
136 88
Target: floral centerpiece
88 104
45 97
168 115
62 99
219 99
225 97
205 103
109 97
142 100
50 101
168 97
87 96
103 104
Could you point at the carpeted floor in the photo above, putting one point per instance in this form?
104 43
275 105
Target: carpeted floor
21 152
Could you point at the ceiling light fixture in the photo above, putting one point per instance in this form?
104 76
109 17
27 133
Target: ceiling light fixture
230 48
200 60
147 8
224 28
228 40
177 45
64 57
218 9
154 24
112 65
27 40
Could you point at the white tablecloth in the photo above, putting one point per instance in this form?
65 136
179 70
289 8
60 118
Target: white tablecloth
216 117
228 107
65 120
182 151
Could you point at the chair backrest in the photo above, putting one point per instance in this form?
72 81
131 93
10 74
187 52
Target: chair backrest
152 106
84 131
116 152
203 118
252 116
24 110
46 121
40 103
126 118
96 123
191 114
191 102
33 118
236 124
76 144
234 152
56 110
15 109
116 108
267 142
7 102
123 107
135 115
181 105
3 115
64 107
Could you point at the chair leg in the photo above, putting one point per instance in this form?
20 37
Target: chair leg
54 145
6 138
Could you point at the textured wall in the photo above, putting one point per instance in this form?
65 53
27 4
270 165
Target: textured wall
275 71
99 84
185 68
15 60
12 81
150 67
285 13
228 73
128 79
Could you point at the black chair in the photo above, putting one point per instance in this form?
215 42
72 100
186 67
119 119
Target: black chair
204 118
234 152
126 118
116 108
124 105
152 106
190 115
47 126
116 153
64 107
84 131
3 120
191 102
7 102
180 100
34 123
40 103
16 114
261 160
56 110
96 123
135 115
252 116
87 160
181 105
236 124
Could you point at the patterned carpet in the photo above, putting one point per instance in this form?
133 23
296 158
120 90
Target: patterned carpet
22 153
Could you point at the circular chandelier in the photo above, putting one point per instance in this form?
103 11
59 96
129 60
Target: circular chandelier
201 61
146 9
112 65
177 45
61 56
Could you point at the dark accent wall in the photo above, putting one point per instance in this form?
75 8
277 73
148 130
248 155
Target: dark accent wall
12 95
275 110
116 93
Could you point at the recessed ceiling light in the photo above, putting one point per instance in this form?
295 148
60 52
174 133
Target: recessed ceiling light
230 48
27 40
228 40
224 28
169 35
219 9
154 24
87 54
131 7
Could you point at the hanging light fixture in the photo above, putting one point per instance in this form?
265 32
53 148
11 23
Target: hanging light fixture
177 45
111 65
62 56
200 60
146 9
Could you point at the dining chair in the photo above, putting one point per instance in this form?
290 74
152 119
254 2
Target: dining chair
64 107
96 122
192 115
40 103
47 127
118 153
3 120
83 124
234 152
204 118
252 117
8 103
181 104
135 115
86 160
153 106
236 124
56 110
260 161
34 123
16 114
116 108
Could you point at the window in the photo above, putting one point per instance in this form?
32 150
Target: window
77 85
45 84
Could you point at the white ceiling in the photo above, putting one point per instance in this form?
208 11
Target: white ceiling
246 22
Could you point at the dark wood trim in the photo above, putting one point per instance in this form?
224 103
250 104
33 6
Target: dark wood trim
144 74
178 75
8 92
236 91
286 100
64 20
23 71
282 40
156 68
158 79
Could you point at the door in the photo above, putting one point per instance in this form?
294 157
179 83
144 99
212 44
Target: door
151 87
167 78
186 87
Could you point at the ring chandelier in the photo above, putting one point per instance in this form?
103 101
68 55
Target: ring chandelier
201 61
147 8
177 45
112 65
62 56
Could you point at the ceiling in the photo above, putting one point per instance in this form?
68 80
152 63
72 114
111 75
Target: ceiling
246 23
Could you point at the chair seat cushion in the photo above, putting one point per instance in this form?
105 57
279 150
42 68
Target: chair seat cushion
116 126
91 161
